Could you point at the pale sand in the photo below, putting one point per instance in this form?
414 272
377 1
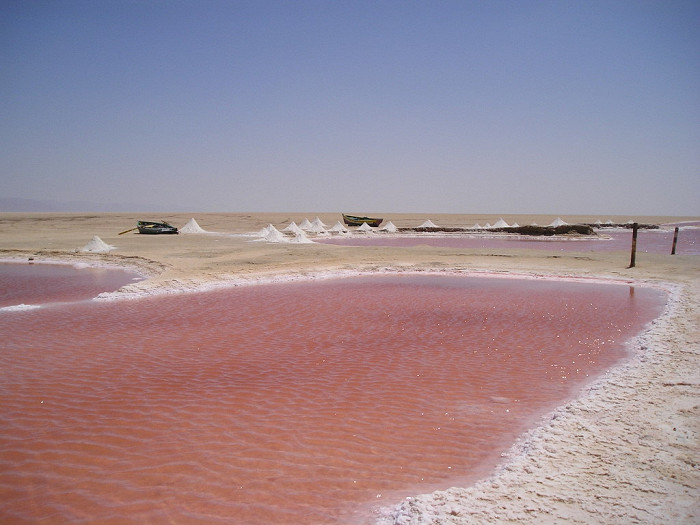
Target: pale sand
625 451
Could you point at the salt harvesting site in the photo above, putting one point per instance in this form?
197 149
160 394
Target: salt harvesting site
292 368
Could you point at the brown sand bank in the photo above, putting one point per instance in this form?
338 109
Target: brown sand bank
625 451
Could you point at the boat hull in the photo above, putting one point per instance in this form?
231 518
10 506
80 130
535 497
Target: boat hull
353 220
156 228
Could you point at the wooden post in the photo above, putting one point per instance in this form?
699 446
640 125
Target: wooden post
634 244
675 241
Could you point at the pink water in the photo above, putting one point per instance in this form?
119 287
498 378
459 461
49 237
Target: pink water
648 241
294 403
34 284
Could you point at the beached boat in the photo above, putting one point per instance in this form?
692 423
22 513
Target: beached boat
352 220
155 228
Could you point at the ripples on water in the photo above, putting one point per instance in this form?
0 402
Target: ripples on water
295 403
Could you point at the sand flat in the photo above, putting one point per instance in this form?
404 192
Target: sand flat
625 451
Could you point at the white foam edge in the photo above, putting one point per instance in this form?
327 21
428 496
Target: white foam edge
78 265
179 286
19 307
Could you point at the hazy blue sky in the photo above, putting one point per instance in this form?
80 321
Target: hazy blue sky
465 106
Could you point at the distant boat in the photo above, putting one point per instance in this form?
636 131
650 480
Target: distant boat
155 228
352 220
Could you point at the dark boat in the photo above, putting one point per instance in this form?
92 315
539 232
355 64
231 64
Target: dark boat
352 220
155 228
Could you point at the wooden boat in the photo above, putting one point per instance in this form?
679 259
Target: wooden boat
155 228
353 220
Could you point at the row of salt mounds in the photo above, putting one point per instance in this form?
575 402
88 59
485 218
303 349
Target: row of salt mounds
97 245
192 227
317 224
272 234
316 227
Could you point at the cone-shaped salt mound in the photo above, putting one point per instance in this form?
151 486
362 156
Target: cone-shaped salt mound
301 238
305 225
293 228
319 222
338 228
317 226
501 224
192 227
558 222
365 227
97 245
274 235
389 227
428 224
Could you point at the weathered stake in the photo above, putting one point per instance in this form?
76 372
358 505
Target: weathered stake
675 241
634 244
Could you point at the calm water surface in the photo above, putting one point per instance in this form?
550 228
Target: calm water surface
34 284
295 403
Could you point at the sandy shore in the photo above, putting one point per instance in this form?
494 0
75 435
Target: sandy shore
625 451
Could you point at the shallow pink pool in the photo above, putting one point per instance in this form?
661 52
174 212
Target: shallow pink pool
34 284
648 241
295 403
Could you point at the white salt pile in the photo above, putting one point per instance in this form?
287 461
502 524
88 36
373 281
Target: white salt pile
301 238
97 245
317 227
428 224
192 227
273 235
515 225
389 227
477 226
558 222
338 228
293 228
487 226
319 222
364 228
501 224
305 225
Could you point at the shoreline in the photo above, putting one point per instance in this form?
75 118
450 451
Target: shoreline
625 450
